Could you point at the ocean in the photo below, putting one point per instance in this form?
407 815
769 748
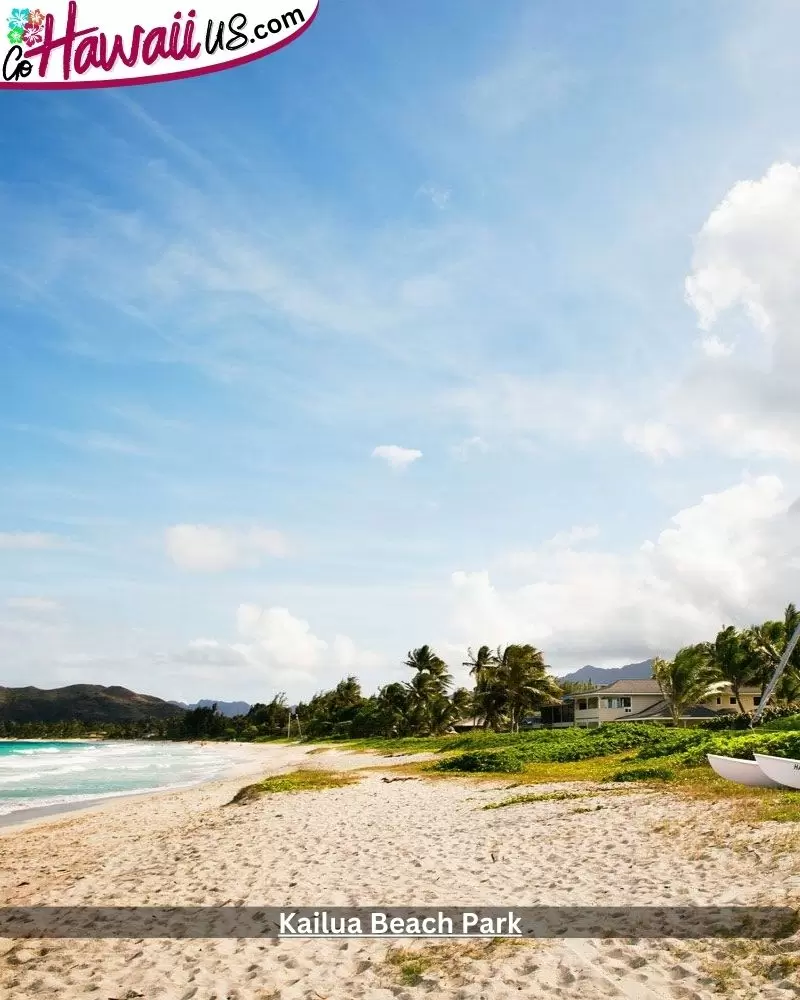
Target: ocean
53 773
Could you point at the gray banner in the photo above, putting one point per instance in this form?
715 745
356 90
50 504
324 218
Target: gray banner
397 922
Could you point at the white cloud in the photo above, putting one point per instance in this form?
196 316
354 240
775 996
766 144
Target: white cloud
203 548
279 638
277 651
350 658
744 277
747 252
713 347
397 457
33 605
29 540
733 557
653 439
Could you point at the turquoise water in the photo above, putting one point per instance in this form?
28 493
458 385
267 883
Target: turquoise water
51 772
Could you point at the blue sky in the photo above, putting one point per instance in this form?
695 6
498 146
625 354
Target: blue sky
550 247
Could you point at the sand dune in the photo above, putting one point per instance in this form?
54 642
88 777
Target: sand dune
377 843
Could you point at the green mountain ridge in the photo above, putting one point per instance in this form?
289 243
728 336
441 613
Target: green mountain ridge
89 703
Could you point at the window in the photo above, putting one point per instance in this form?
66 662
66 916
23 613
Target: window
582 705
719 701
756 701
618 702
733 701
593 703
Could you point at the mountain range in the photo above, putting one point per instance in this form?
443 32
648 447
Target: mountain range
90 703
607 675
228 708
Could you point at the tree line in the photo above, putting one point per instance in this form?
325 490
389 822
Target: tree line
510 683
736 658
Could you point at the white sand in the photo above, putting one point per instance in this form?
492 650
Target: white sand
376 843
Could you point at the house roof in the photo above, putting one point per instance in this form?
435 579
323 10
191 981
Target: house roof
644 685
661 711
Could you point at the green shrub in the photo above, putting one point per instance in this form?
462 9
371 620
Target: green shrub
498 761
743 746
787 724
742 720
643 774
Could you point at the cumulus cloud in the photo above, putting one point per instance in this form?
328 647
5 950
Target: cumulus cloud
397 457
203 548
278 651
744 279
713 347
732 557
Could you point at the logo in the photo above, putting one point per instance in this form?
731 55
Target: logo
91 43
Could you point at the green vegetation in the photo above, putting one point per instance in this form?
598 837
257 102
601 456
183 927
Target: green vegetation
518 800
643 774
511 683
511 753
450 961
295 781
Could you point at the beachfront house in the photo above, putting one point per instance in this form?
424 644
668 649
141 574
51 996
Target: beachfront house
639 701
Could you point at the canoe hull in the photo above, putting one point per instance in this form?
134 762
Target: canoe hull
743 772
782 770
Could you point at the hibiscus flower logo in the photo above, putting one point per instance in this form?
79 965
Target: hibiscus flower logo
33 34
26 26
19 18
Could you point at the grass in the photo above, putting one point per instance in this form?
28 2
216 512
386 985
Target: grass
295 781
653 755
750 964
518 800
409 966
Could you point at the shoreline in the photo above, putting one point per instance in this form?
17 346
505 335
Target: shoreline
31 816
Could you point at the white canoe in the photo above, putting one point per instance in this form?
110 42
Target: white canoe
782 770
744 772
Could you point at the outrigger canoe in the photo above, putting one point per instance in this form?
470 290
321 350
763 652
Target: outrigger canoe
745 772
781 770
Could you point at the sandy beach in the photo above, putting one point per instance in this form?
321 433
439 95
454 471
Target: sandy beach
372 843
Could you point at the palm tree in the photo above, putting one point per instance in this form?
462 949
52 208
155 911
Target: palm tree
689 679
733 656
491 702
426 661
394 706
480 663
522 674
766 643
427 687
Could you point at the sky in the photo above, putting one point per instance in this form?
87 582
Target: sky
448 323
